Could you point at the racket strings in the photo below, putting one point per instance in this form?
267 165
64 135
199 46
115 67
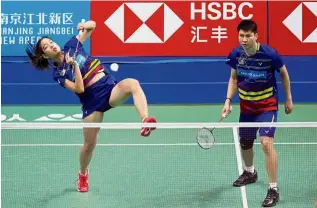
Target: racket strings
205 138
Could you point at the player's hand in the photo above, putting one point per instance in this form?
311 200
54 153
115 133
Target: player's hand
81 26
226 110
69 60
288 106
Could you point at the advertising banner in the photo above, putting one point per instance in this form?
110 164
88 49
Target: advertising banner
293 29
28 21
172 28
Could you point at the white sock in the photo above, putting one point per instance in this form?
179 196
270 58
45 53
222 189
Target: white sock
273 186
250 169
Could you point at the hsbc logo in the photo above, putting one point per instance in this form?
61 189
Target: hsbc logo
302 22
144 22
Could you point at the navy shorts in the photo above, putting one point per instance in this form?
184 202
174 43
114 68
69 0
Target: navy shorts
96 97
249 133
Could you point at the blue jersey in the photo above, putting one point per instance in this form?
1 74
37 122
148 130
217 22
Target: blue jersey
88 66
96 96
256 78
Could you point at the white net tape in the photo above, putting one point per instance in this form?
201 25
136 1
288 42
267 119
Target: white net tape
50 125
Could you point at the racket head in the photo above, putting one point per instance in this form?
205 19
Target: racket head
205 138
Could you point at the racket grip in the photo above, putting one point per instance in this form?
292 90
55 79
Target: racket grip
82 21
225 115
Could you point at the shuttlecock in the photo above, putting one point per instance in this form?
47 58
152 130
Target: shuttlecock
114 67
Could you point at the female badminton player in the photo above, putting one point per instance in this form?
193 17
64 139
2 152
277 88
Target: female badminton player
98 91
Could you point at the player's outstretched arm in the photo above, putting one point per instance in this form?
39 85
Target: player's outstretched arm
87 28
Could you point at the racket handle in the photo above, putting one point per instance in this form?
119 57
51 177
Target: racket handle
225 115
82 21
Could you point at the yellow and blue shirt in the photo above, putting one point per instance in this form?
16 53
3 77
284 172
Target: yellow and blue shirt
256 78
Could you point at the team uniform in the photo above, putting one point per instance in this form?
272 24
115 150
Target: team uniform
96 97
257 87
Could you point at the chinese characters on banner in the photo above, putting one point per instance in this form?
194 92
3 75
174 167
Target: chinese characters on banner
17 27
166 28
172 28
40 18
218 33
29 21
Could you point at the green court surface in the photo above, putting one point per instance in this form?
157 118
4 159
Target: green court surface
39 167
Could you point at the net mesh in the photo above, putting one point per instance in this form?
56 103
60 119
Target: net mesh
167 169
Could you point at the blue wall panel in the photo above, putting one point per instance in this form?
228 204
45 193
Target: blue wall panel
164 83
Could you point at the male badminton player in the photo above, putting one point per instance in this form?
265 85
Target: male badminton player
253 66
97 90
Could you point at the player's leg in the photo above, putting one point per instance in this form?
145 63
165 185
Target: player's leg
90 140
86 152
270 157
123 90
247 137
267 143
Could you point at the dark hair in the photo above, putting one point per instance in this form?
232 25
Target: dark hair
248 25
35 54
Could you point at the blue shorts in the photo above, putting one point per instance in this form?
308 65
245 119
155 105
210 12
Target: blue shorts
96 97
249 133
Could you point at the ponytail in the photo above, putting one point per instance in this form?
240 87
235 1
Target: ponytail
35 53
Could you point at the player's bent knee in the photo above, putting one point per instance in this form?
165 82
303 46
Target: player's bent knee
129 85
130 81
267 143
134 85
246 144
134 82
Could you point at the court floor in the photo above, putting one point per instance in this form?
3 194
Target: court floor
168 169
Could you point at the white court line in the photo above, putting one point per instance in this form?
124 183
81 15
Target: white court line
135 145
239 164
